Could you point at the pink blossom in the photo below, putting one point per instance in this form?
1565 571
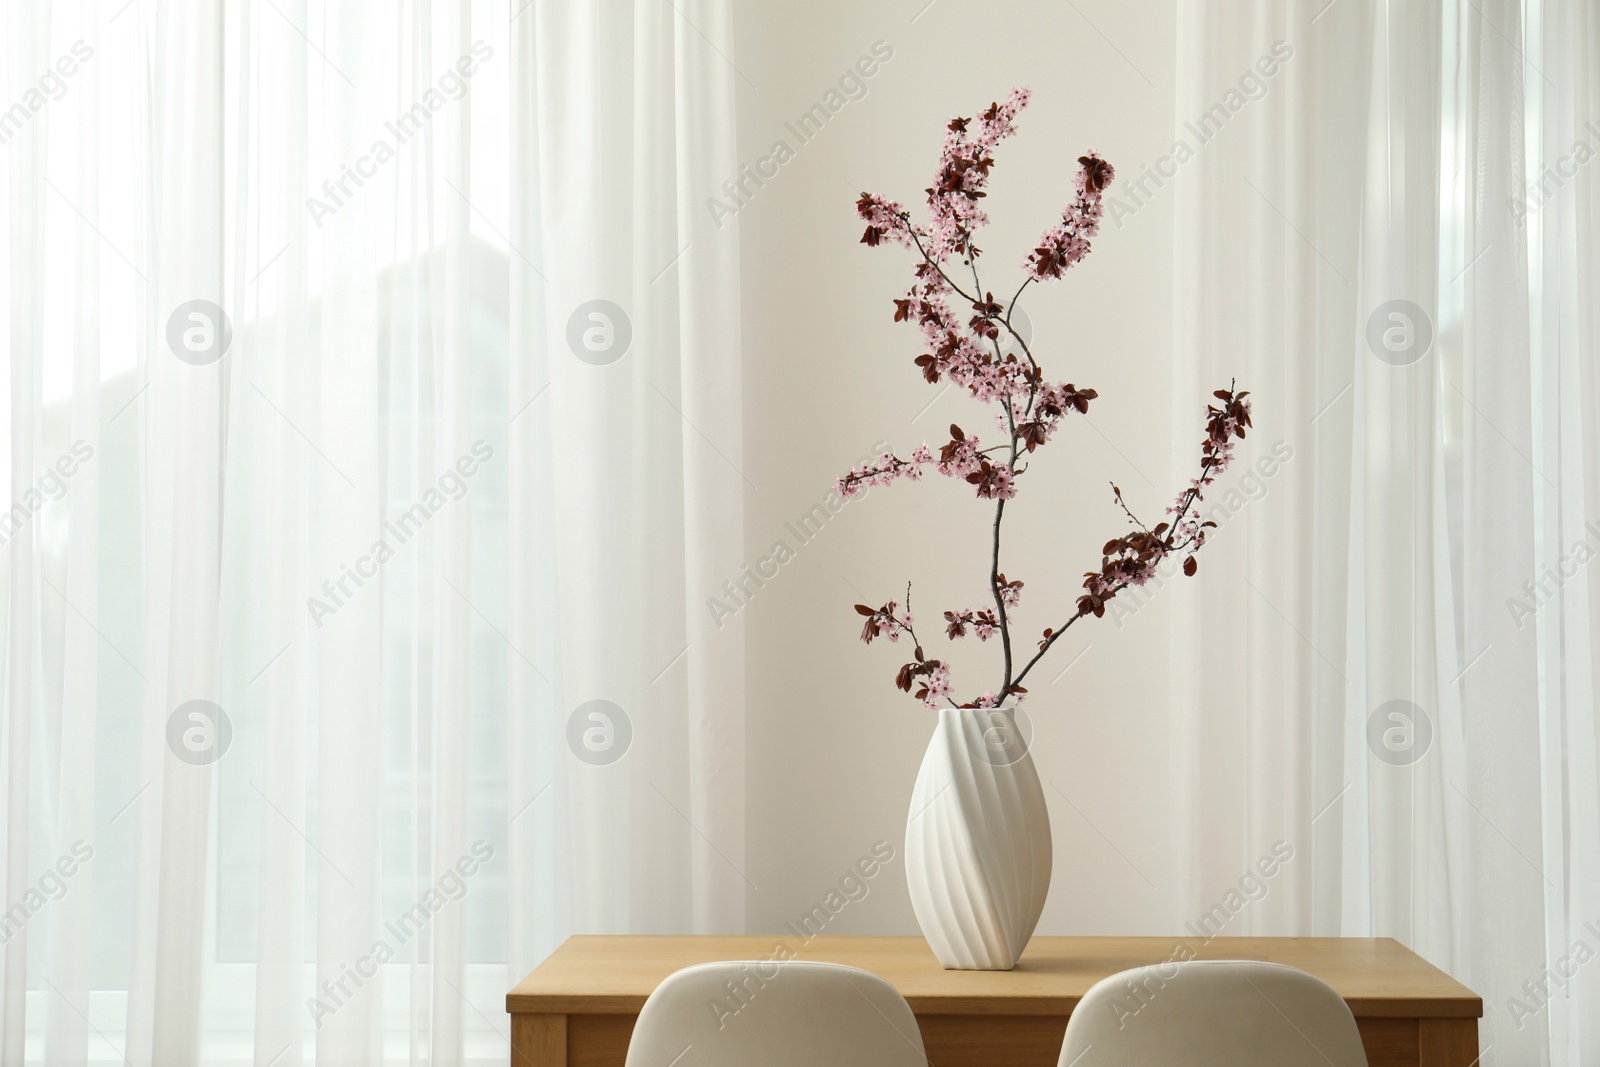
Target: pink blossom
960 458
1065 244
964 347
885 469
885 218
982 620
963 173
995 481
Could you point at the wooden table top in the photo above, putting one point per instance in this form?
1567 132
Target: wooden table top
1377 976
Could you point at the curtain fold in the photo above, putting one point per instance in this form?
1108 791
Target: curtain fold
1406 696
70 950
710 384
641 333
27 49
182 539
359 659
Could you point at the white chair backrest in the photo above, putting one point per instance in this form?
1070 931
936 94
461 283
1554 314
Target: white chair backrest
1212 1013
770 1013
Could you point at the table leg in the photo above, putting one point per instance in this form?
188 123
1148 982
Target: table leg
538 1041
1447 1042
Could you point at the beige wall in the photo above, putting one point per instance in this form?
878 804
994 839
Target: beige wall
832 746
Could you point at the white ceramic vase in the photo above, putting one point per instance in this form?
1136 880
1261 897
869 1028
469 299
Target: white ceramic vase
978 854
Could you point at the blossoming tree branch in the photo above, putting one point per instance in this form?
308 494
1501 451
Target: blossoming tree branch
1031 409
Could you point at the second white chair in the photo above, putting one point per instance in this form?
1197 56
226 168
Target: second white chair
792 1013
1212 1013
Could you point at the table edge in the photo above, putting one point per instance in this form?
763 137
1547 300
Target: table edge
1465 1005
630 1004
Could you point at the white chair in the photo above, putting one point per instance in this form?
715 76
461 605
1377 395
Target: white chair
1212 1013
768 1013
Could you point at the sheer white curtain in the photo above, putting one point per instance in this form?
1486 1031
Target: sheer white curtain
374 384
1393 239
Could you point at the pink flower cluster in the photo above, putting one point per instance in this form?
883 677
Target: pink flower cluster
957 350
1132 560
963 175
883 622
886 218
1225 423
960 458
969 349
881 471
995 481
1035 428
982 621
959 183
1067 242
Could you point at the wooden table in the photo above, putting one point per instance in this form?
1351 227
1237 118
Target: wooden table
578 1008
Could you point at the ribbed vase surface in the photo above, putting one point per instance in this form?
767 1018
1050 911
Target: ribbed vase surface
978 841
